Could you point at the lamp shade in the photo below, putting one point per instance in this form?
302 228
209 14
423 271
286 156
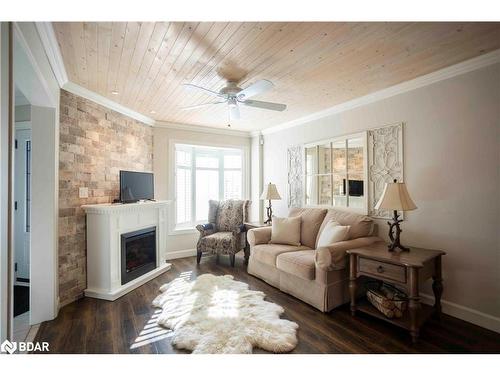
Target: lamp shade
270 192
395 197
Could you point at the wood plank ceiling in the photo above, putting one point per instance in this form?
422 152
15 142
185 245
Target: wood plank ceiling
314 66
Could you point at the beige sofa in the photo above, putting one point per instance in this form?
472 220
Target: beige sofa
317 276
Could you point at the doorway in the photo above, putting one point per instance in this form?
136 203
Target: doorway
22 215
29 181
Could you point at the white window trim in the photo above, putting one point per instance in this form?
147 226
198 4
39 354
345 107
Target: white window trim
245 169
364 136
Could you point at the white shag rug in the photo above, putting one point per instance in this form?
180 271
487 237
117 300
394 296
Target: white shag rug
215 314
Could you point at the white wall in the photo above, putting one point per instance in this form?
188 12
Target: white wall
452 170
31 58
22 113
44 187
256 209
4 156
183 244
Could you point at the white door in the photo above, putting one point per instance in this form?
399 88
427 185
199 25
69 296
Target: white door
22 200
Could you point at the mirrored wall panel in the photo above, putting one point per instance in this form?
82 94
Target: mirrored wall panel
336 173
356 167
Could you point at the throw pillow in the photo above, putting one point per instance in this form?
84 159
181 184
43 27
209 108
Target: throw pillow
333 232
286 230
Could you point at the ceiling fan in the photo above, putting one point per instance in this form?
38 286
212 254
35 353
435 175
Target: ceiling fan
233 96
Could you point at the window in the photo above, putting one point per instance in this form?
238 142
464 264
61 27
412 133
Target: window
335 172
203 173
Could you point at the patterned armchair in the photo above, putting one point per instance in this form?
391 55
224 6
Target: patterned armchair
225 231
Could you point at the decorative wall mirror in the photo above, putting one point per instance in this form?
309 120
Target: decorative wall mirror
336 173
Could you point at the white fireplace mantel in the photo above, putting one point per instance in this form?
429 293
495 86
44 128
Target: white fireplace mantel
105 225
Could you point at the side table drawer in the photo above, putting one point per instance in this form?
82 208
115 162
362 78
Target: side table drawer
382 270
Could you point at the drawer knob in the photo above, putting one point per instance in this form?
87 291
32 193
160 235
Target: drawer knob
380 269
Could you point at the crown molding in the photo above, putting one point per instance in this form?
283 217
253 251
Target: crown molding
425 80
105 102
203 129
52 50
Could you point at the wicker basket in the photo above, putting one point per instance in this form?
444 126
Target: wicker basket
387 299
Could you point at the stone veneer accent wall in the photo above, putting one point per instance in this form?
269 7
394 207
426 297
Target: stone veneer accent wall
95 144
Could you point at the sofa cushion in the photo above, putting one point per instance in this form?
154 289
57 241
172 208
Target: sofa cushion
333 232
267 253
311 223
298 263
219 242
286 231
361 225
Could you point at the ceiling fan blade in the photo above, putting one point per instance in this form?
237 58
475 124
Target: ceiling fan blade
200 106
207 91
265 105
234 112
254 89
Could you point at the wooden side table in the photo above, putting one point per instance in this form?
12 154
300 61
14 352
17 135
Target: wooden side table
248 226
404 269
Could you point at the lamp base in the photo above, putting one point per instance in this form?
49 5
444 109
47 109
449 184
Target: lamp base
269 212
394 234
393 246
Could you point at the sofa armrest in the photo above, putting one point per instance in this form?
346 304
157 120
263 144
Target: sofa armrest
239 229
259 236
206 229
333 257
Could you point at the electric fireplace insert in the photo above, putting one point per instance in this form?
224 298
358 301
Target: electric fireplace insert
138 253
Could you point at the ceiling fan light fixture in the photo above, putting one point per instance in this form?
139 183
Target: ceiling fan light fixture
231 95
232 102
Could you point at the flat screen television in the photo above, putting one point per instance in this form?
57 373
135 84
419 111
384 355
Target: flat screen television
136 186
355 188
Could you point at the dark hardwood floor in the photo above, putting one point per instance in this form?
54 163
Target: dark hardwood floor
127 324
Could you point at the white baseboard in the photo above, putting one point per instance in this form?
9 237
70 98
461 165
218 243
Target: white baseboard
181 254
465 313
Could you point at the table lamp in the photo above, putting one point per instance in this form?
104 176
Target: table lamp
270 192
395 197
